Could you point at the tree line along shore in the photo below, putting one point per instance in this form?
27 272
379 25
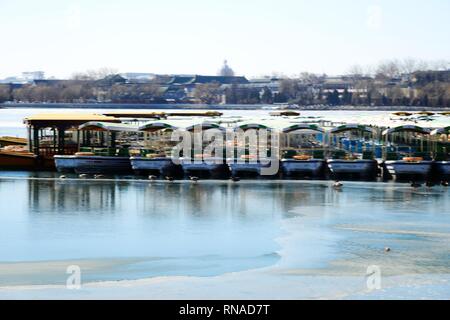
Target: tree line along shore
387 88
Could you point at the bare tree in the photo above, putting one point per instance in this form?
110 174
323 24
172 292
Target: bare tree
308 78
355 71
411 65
94 74
208 93
440 65
5 94
388 69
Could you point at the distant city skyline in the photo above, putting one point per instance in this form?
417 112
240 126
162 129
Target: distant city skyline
195 37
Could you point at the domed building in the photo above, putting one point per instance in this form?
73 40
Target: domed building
226 71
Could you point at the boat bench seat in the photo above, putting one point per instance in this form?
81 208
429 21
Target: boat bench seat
289 154
318 154
105 152
424 155
392 156
123 152
145 152
368 155
339 154
441 156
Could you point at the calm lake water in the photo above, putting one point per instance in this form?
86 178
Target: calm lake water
218 239
129 229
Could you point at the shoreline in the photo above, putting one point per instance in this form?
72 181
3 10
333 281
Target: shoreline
213 107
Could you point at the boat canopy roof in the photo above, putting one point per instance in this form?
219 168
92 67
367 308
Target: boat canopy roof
426 113
156 126
194 113
44 120
353 126
160 114
206 125
406 128
13 140
135 114
285 113
106 126
445 130
252 125
402 113
303 126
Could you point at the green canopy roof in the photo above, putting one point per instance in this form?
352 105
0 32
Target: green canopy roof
407 128
303 126
108 126
445 130
249 126
205 126
156 126
350 127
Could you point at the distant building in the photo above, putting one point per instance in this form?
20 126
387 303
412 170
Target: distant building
424 77
15 80
272 83
111 80
337 83
26 77
138 77
220 79
33 75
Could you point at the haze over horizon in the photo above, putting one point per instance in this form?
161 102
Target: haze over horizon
257 37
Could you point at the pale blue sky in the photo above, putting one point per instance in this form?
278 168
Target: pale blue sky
194 36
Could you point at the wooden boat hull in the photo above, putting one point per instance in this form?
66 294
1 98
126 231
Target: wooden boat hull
313 167
163 166
400 168
93 164
15 160
360 167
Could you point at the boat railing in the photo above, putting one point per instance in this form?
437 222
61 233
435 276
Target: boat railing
391 153
52 151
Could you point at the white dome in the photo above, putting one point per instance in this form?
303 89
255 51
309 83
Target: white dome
226 71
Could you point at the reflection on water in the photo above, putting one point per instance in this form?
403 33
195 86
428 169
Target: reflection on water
147 229
54 196
198 200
